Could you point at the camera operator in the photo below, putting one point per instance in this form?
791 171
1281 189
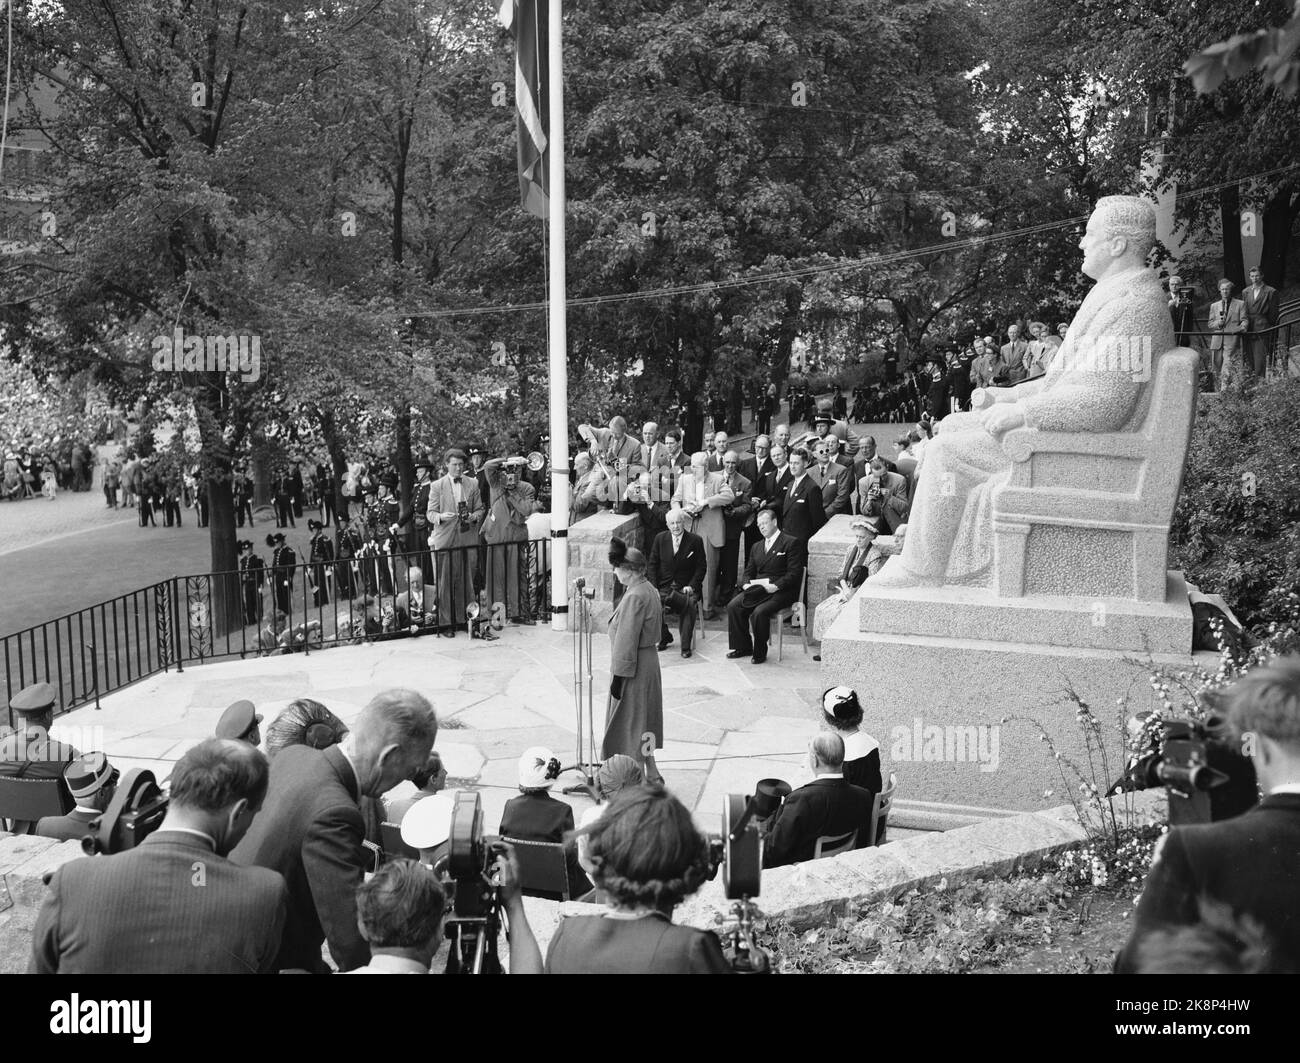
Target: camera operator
1250 862
174 904
400 910
647 856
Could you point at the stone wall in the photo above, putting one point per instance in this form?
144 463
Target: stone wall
589 555
826 552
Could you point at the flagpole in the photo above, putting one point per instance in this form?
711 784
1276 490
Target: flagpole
557 325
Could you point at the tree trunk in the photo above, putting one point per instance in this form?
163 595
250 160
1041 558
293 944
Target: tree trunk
215 466
785 338
405 463
1279 219
736 410
338 460
1230 219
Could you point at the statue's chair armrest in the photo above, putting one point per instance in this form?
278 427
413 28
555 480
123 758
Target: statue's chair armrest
1065 451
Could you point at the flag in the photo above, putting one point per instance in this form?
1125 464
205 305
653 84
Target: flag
526 21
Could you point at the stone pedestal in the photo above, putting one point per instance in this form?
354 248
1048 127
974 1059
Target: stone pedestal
938 670
826 552
589 555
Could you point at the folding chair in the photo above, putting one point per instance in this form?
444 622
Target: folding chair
880 811
794 611
543 868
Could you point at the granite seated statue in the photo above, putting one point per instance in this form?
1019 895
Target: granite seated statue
1066 484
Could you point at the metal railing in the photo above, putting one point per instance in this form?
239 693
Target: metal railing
1281 345
300 608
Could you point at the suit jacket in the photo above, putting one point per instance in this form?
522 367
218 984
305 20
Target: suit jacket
748 467
709 524
674 572
740 511
507 517
536 817
612 452
892 505
311 831
1248 862
1228 324
836 484
169 906
1261 310
823 808
784 565
652 457
442 499
802 511
715 461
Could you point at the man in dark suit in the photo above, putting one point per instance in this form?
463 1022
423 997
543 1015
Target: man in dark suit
736 515
802 511
1251 862
676 567
312 830
174 904
778 560
754 468
836 481
92 781
1261 315
828 807
867 451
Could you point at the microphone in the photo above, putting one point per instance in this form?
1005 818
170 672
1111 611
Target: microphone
579 583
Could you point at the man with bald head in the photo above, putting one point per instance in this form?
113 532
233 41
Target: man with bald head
676 568
829 808
1093 384
311 829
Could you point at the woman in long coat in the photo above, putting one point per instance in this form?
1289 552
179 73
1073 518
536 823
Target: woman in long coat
634 724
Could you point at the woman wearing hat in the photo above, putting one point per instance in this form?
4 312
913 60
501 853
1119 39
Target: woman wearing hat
843 713
634 723
862 560
647 857
536 816
304 722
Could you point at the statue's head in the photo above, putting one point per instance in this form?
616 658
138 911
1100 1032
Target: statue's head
1120 234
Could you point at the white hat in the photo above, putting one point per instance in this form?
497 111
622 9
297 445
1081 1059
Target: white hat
536 769
427 823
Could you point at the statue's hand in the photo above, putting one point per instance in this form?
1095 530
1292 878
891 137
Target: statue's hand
1002 418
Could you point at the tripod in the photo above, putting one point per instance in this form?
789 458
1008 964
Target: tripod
580 610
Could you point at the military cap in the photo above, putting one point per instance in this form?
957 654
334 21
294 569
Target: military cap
34 700
238 720
427 823
424 460
88 774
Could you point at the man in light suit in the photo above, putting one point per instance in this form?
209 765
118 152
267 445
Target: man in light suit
455 514
1261 314
802 511
619 456
174 904
828 807
884 495
835 480
1227 322
1013 356
702 494
677 566
311 830
772 580
582 499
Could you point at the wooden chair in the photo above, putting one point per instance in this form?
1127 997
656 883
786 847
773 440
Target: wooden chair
543 868
828 845
880 811
31 790
795 610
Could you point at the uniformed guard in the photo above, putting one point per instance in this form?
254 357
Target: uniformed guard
350 543
92 781
424 469
240 723
282 569
321 555
31 739
252 578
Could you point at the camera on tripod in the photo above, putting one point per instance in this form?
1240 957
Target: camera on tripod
136 811
479 623
738 851
475 922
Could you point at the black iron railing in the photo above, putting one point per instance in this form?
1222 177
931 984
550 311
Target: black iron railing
300 608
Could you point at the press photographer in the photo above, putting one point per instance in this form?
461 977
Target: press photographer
140 911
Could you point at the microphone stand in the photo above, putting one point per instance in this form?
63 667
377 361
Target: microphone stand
580 609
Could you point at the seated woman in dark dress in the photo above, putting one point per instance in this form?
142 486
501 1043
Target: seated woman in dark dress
647 856
536 816
843 713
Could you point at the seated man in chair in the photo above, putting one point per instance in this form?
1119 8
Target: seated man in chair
828 807
676 569
1093 385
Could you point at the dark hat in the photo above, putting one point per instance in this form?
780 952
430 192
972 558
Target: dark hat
634 559
34 700
87 774
753 597
314 525
617 551
238 720
388 480
424 460
278 537
244 544
473 449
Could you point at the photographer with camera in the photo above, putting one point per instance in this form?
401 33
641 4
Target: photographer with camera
313 830
647 856
173 904
1250 862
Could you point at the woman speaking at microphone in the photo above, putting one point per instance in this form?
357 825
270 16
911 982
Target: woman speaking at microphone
634 723
646 857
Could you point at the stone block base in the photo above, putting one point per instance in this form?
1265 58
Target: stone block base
976 722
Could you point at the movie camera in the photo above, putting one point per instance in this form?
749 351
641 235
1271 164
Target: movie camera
475 922
136 811
738 851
